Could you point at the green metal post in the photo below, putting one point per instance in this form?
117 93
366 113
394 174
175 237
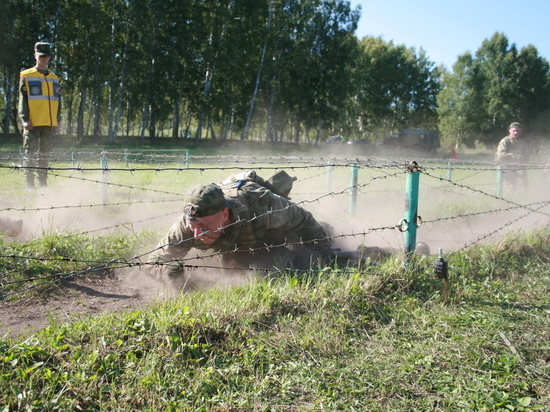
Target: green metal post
411 211
187 159
450 171
104 178
329 177
353 185
499 181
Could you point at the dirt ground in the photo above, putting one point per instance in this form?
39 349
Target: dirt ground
72 300
78 297
125 291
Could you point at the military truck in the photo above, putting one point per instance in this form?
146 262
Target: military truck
419 139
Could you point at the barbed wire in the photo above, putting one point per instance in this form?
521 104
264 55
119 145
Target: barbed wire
479 191
112 184
80 206
507 224
493 211
180 263
178 168
136 261
266 247
184 155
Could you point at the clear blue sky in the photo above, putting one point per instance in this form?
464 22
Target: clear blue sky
448 28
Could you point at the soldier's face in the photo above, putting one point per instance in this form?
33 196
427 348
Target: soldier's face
208 229
42 61
514 133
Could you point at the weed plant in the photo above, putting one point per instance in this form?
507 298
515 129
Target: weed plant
376 338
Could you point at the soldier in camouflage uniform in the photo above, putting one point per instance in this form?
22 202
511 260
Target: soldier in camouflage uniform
252 223
513 150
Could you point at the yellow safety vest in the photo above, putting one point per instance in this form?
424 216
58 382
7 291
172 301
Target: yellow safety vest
43 92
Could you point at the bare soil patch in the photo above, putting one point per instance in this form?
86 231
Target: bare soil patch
71 300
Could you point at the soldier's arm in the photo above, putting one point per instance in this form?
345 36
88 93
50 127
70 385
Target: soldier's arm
502 154
171 248
23 101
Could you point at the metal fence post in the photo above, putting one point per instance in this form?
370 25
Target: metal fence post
353 185
104 178
187 159
499 181
410 222
329 177
450 171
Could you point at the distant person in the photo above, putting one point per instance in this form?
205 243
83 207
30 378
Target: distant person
255 226
40 112
513 150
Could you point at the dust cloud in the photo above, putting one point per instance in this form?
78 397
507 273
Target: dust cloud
72 206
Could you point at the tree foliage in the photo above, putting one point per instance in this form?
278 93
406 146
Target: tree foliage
485 93
397 87
270 69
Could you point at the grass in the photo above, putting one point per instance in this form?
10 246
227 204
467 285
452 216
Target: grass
376 339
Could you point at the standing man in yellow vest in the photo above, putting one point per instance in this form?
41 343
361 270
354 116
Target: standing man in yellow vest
40 112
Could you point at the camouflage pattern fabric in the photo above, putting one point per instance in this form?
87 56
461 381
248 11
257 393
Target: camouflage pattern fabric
510 151
277 221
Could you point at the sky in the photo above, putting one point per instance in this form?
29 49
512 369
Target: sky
445 29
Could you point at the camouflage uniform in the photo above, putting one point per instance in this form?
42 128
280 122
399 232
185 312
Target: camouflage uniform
510 151
260 218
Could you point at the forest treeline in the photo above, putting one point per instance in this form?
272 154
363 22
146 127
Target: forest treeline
274 70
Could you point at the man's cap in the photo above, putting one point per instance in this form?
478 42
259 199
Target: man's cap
204 200
42 49
515 125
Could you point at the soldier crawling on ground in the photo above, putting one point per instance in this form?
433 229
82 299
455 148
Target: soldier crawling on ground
261 228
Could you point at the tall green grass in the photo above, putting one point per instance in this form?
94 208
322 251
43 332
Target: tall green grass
376 339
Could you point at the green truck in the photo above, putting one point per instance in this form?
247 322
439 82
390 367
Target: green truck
418 139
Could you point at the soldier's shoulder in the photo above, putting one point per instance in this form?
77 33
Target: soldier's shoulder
28 71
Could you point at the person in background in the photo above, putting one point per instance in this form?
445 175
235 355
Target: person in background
40 113
513 150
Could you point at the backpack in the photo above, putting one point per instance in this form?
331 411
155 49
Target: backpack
278 182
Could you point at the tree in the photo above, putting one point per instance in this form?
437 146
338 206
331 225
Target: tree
397 88
497 86
460 103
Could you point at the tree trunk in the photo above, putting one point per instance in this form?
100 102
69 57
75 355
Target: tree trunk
320 124
114 131
8 81
144 120
244 134
80 116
